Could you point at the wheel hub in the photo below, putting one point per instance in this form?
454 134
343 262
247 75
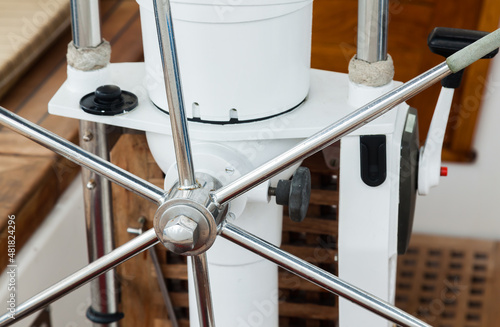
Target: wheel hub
187 223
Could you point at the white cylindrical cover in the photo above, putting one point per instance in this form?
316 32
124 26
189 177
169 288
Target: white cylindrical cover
241 59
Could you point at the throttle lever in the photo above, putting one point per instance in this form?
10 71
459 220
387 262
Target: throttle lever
445 42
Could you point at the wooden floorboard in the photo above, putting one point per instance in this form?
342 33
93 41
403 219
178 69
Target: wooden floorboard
27 29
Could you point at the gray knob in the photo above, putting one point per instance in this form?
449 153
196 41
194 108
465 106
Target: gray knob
295 193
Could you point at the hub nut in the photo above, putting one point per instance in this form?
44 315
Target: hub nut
182 232
186 223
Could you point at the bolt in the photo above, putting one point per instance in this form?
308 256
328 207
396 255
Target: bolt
140 230
88 136
231 217
135 231
91 184
182 232
229 170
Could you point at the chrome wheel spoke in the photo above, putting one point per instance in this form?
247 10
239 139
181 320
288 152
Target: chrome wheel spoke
81 277
182 146
173 88
331 134
359 117
319 276
202 290
81 157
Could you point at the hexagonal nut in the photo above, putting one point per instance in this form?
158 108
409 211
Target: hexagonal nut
182 232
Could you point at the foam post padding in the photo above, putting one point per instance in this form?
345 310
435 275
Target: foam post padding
373 74
474 52
87 59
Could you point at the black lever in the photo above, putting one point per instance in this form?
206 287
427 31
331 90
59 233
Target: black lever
445 41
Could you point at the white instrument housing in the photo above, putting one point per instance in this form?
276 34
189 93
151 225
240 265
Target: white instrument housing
246 60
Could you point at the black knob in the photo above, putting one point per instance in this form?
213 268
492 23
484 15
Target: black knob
295 193
108 93
108 100
446 41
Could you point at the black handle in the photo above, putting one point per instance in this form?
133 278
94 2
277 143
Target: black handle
445 41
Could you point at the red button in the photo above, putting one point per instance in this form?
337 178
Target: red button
444 171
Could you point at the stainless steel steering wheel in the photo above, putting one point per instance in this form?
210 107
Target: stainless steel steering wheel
203 202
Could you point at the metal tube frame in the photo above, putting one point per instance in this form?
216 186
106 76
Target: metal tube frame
372 30
99 219
85 23
86 30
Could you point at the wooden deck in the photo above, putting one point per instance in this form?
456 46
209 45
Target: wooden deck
31 177
27 29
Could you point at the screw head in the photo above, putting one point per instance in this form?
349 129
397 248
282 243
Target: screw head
231 217
182 232
87 137
91 184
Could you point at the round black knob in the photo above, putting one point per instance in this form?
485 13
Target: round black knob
295 193
108 100
108 93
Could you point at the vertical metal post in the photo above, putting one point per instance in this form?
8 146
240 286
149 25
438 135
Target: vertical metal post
85 23
372 30
99 222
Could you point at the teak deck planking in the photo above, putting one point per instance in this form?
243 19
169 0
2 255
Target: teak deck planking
32 177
